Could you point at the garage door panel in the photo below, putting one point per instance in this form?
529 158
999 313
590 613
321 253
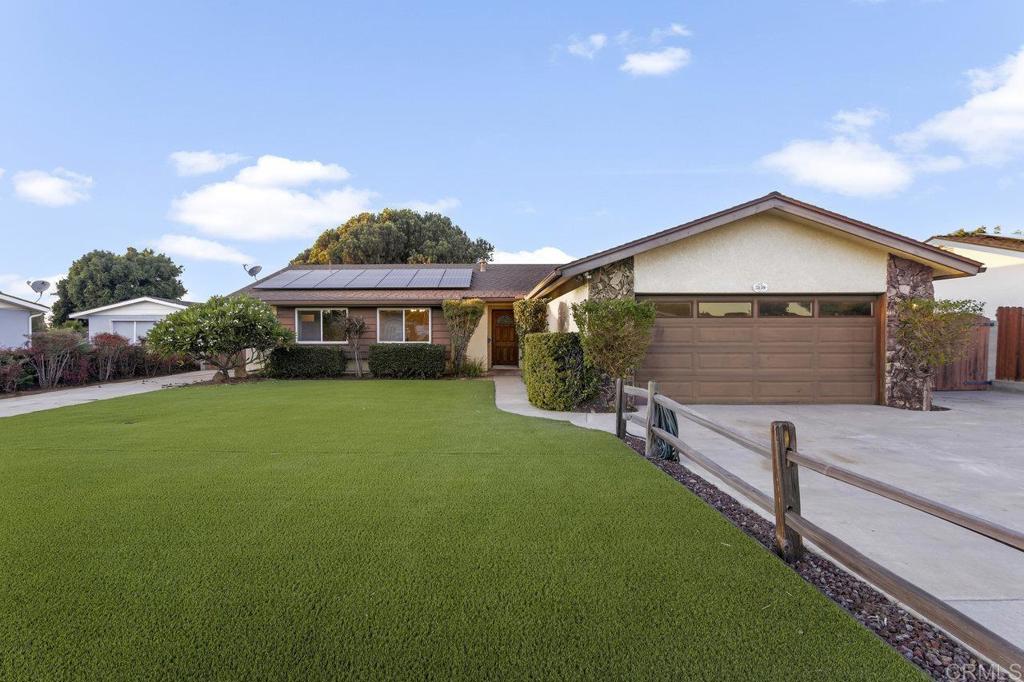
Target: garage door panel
765 360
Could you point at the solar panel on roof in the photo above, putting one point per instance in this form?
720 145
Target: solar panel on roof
426 278
397 279
280 279
371 278
368 280
310 280
456 279
340 279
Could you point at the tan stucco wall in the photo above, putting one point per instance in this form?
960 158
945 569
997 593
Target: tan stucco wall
788 256
478 348
560 310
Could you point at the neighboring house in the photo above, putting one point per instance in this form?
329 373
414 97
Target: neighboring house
771 301
400 303
131 319
16 316
1002 283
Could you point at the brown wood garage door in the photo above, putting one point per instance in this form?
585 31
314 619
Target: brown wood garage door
797 349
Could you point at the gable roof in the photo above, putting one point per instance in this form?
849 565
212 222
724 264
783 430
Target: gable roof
994 241
170 302
497 282
22 303
950 264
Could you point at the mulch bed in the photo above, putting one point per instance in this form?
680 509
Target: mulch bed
918 641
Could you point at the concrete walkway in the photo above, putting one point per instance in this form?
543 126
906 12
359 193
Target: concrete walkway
510 396
86 394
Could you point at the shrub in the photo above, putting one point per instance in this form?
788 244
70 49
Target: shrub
220 331
407 360
107 353
305 362
56 355
556 374
15 372
615 333
473 368
531 316
463 317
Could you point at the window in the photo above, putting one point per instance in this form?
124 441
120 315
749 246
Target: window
785 308
725 309
673 309
320 325
403 325
844 309
133 330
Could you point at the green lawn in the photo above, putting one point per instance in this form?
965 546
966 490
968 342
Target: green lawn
378 530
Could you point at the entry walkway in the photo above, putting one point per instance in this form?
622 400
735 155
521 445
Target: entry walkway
510 396
35 402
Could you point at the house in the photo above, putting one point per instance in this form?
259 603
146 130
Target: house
770 301
131 319
400 303
16 316
1002 283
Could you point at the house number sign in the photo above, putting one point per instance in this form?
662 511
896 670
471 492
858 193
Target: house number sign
760 287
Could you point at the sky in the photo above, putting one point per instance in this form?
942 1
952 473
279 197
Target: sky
230 133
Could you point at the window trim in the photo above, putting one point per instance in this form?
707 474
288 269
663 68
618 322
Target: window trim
321 342
134 340
430 324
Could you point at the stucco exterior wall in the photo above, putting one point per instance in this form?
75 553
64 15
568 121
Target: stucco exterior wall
560 309
479 348
788 256
1002 283
14 325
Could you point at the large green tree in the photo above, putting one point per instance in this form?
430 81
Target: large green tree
396 236
101 277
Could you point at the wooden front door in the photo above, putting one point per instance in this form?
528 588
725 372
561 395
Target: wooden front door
504 342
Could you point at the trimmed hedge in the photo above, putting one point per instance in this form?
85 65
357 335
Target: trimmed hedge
555 373
407 360
306 362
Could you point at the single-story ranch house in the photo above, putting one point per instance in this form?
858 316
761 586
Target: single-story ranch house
131 319
770 301
16 319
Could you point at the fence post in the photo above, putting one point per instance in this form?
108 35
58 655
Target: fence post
620 424
652 390
786 483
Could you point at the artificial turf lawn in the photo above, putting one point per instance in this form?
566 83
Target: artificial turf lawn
335 529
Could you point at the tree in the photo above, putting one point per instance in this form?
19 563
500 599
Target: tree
220 331
462 317
531 316
354 328
101 277
934 334
396 236
614 333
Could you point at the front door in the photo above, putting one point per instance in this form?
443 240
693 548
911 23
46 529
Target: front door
504 343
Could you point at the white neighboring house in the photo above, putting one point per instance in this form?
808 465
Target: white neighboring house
16 316
1002 283
131 319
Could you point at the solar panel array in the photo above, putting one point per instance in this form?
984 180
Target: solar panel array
371 278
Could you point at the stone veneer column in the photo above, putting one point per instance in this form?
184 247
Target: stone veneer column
612 281
905 279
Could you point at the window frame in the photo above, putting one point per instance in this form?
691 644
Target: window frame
134 340
321 342
873 308
734 299
430 323
813 300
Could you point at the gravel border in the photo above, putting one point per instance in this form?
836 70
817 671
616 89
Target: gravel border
920 642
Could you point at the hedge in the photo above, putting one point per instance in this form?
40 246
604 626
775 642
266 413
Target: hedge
555 373
407 360
306 362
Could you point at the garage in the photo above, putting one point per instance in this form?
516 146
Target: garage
765 349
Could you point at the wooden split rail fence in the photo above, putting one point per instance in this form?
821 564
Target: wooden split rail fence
791 528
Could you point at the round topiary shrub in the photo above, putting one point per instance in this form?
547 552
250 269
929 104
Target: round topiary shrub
555 373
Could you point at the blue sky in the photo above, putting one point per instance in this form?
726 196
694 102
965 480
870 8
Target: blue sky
568 125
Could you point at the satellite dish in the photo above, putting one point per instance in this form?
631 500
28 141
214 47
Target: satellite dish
253 270
39 286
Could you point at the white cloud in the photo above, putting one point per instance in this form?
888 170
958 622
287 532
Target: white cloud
2 171
200 163
660 63
855 121
673 30
195 248
59 188
988 127
624 37
854 167
545 254
17 285
277 171
938 164
260 203
440 206
587 47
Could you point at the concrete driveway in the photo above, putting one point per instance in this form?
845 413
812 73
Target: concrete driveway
35 402
970 457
